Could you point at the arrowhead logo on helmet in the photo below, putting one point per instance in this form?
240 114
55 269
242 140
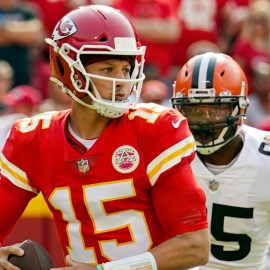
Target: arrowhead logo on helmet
63 29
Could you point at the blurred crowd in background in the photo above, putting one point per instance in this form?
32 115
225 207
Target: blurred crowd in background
173 31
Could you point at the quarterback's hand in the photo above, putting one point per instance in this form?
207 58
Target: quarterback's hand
5 252
73 265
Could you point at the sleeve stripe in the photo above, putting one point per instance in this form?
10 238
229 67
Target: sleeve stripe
169 158
14 174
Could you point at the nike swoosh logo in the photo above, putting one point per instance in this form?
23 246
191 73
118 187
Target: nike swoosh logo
177 123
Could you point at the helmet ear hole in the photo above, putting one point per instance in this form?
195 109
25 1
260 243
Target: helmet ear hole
222 73
103 39
60 66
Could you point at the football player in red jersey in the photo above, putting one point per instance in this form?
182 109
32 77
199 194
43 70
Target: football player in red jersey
115 175
232 160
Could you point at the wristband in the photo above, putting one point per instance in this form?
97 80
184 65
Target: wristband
100 267
145 261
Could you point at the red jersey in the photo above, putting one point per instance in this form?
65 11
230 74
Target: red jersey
132 190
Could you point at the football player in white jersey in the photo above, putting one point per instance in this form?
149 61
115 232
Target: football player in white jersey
232 162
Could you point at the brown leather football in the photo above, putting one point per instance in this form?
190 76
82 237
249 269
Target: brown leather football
35 257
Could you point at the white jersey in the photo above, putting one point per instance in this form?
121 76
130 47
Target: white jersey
238 205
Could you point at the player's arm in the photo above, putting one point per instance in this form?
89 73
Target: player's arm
180 204
183 251
13 201
13 204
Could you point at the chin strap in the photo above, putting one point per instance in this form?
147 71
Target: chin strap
65 90
210 150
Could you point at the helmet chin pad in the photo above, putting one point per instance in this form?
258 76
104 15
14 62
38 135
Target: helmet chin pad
209 150
110 111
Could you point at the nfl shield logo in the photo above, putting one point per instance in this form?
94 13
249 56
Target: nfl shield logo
213 185
83 166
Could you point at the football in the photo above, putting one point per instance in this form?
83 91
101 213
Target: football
35 257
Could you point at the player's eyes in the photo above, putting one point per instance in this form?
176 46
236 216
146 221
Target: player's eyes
107 70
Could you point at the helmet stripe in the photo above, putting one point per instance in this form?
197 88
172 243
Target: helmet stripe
210 72
203 71
196 71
